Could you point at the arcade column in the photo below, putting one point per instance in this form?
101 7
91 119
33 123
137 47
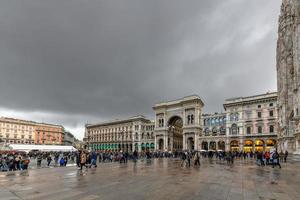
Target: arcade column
184 146
227 144
165 142
241 144
196 142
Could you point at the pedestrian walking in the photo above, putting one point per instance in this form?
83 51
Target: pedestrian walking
188 158
276 161
39 160
82 159
286 153
49 159
196 159
94 159
135 156
183 159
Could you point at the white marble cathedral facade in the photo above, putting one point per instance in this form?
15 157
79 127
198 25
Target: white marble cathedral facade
288 76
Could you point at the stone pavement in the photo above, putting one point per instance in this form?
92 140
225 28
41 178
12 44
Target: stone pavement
159 179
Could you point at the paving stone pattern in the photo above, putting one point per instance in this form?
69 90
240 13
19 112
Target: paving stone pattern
159 179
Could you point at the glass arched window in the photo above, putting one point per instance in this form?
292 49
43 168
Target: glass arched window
236 117
248 130
232 117
271 129
214 131
222 130
259 129
234 129
206 131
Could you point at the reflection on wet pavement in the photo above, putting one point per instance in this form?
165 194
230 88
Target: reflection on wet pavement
158 179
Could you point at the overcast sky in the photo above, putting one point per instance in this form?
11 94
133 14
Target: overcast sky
75 61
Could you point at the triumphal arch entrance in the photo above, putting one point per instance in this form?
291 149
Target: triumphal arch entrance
178 124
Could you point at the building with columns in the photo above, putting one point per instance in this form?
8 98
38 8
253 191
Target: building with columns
251 123
178 124
214 132
248 124
288 76
135 133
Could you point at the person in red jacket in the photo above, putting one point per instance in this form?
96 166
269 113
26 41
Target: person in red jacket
267 157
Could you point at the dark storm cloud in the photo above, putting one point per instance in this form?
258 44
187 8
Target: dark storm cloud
89 60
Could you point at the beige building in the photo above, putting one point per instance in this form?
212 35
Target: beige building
288 76
136 133
16 131
251 123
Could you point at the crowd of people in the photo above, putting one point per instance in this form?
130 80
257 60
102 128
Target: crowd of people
12 161
16 160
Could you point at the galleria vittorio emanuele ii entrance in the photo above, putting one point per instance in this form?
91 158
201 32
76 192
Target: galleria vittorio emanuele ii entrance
178 124
175 132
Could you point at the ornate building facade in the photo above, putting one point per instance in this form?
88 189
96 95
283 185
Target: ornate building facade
178 123
248 124
136 133
251 122
214 132
288 76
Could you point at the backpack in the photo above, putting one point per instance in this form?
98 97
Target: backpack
62 161
26 162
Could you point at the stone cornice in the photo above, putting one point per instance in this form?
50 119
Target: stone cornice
242 101
182 101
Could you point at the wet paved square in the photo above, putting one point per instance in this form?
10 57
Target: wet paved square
159 179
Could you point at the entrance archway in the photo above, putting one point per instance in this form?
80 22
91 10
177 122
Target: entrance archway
270 144
212 145
136 146
259 145
152 146
161 144
175 133
234 145
204 146
177 120
221 145
143 146
248 146
191 143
